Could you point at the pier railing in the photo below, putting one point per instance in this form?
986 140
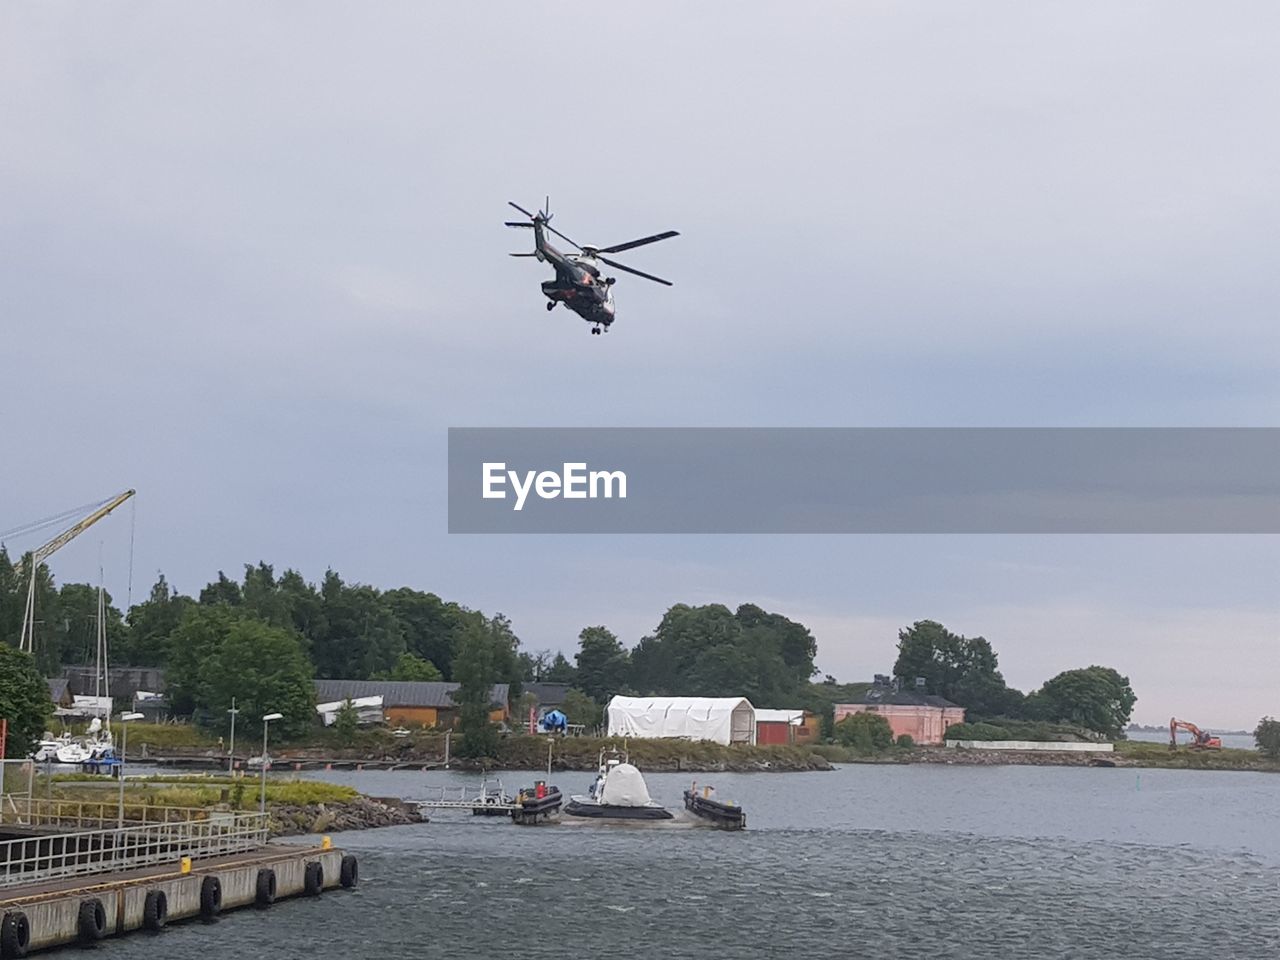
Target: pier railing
94 814
54 855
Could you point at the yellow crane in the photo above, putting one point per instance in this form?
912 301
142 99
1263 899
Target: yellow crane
43 552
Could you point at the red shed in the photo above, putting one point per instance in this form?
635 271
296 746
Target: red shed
784 727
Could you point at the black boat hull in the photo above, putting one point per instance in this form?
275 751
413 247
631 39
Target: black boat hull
724 815
596 811
532 809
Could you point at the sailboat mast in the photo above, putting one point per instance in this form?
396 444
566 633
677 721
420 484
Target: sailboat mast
100 670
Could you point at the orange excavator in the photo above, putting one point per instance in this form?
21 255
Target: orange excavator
1200 739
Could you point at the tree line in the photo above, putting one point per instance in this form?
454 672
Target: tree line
263 638
965 670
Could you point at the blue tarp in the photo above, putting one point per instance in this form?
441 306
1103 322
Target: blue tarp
555 720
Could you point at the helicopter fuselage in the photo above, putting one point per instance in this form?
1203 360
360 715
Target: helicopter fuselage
578 284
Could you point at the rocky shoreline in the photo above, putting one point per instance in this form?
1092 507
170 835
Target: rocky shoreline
571 755
999 758
362 813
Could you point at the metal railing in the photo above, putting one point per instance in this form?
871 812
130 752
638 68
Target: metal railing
93 814
460 798
198 834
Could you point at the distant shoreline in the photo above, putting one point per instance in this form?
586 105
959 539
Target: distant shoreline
581 754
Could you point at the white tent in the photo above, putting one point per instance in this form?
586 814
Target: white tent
625 787
722 719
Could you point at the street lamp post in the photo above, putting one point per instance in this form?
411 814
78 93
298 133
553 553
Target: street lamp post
266 722
125 718
231 753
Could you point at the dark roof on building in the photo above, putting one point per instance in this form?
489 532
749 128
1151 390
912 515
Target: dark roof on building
125 682
901 698
547 694
401 693
58 690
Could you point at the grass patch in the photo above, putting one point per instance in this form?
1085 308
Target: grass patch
240 794
1159 755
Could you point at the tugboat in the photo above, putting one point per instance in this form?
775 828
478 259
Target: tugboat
619 793
726 816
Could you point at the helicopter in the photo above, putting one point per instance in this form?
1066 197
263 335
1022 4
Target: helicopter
578 284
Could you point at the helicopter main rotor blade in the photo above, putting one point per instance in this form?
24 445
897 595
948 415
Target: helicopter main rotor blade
521 209
619 247
549 227
516 223
638 273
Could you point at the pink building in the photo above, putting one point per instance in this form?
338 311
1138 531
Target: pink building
920 715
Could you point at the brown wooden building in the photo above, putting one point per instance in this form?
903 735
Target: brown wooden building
412 703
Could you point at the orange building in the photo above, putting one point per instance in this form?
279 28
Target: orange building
412 703
917 714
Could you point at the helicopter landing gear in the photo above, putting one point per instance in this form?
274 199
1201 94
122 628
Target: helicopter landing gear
551 305
595 329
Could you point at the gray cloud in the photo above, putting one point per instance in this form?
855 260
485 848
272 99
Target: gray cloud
252 264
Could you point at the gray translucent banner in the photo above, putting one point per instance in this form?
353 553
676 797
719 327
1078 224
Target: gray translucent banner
864 480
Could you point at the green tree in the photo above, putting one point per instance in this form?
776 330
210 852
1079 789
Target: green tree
578 708
152 624
412 668
24 700
713 651
560 671
362 635
962 669
1097 698
220 653
223 591
473 670
306 608
48 628
431 626
74 634
261 596
865 732
265 670
1267 736
197 637
12 597
603 664
346 721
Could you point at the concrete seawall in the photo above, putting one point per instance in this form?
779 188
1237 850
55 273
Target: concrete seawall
54 911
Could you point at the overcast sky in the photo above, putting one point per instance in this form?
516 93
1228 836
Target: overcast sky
252 264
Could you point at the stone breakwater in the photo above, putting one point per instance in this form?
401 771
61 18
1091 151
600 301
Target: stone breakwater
996 758
363 813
